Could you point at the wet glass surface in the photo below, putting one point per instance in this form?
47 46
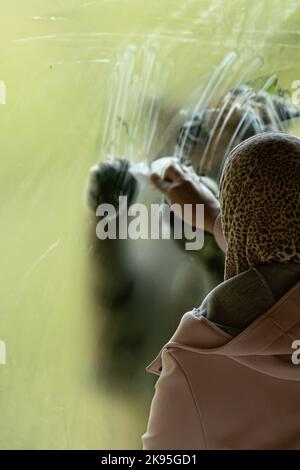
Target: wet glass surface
84 79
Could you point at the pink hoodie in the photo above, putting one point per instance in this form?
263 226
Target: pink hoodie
219 392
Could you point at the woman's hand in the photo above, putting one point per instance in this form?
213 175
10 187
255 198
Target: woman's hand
180 188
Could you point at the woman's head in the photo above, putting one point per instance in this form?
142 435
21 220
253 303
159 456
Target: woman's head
260 202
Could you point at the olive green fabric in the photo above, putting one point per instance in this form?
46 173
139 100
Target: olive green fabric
238 301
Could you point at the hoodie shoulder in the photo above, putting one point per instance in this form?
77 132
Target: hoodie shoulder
262 345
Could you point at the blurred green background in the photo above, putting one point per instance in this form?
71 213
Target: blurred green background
56 58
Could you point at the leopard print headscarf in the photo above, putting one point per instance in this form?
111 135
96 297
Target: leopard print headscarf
260 202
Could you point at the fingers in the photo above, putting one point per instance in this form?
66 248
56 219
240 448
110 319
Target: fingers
159 183
173 172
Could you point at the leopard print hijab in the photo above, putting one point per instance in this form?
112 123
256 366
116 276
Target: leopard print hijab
260 202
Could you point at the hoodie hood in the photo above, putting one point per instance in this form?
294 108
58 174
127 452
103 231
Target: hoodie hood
265 345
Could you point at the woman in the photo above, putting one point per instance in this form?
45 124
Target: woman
227 378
